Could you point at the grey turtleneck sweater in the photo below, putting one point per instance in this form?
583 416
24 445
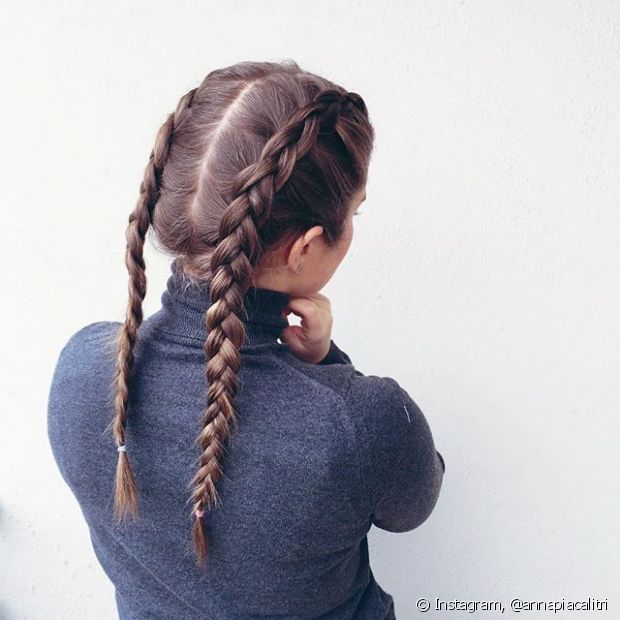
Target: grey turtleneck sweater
322 453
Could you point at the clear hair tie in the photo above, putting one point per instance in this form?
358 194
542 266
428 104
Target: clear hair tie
122 448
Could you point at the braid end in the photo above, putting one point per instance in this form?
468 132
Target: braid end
125 490
200 541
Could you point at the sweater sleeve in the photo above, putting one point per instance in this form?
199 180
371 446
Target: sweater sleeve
402 470
335 355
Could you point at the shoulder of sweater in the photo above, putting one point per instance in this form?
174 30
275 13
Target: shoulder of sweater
379 406
370 392
99 332
91 345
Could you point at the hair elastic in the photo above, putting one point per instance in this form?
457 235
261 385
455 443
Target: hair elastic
122 448
199 513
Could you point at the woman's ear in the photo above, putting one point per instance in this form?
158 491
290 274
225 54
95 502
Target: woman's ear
300 248
311 235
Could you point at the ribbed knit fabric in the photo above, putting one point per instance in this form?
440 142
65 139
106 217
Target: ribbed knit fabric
321 454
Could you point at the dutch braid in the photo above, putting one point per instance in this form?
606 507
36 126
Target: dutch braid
237 252
125 491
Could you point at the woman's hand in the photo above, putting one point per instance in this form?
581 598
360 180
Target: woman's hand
309 341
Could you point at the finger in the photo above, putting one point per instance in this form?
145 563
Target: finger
322 298
293 336
315 313
301 305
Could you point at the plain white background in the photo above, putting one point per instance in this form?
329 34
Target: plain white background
483 274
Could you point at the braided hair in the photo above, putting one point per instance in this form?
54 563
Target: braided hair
250 159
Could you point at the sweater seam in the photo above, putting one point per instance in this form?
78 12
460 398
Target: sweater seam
366 496
168 589
362 489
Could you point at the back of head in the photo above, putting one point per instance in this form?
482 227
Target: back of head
250 159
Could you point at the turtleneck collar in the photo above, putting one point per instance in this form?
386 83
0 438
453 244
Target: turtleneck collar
184 303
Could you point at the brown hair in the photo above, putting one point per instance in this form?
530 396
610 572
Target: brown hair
249 160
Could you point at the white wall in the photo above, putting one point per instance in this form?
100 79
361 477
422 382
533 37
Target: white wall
483 276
